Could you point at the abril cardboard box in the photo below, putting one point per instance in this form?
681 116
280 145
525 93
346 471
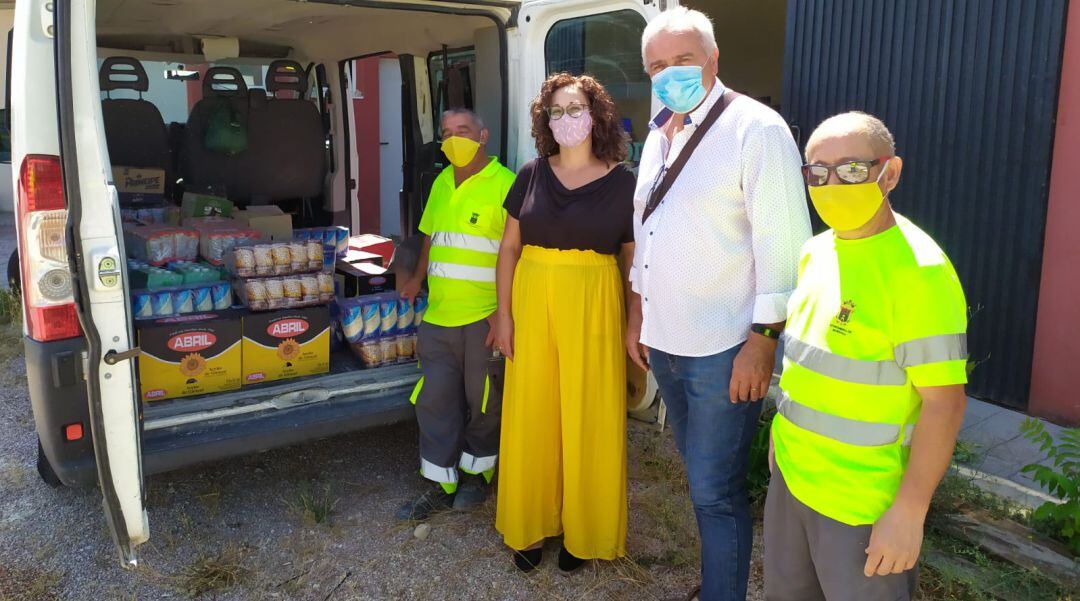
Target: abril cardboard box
190 354
286 344
139 186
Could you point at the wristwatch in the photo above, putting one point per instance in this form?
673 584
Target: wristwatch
765 331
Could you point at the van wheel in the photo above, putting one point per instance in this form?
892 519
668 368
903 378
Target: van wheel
13 271
45 470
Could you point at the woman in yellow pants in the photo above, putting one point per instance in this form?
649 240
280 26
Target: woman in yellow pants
561 323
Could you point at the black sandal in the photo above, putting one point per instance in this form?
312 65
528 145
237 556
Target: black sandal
529 559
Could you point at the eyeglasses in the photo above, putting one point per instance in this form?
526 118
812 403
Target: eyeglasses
851 172
574 109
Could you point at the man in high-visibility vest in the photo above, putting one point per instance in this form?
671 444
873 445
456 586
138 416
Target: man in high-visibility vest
458 397
872 394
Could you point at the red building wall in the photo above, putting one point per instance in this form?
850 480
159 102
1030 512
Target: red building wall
366 116
1054 390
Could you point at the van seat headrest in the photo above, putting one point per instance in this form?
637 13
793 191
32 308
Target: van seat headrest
286 75
122 73
223 81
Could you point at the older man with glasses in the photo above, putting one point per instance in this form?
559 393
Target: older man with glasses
720 218
872 395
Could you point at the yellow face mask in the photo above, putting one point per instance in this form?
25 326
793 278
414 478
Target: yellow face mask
460 150
846 207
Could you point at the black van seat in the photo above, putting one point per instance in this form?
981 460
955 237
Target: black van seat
200 167
134 130
286 152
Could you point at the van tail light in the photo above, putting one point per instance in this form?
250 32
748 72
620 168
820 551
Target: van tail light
46 278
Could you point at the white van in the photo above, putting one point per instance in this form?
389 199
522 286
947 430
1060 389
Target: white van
65 64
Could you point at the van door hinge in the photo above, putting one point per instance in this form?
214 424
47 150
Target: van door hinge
109 272
85 364
113 357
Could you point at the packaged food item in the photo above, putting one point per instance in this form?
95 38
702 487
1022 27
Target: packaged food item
372 320
294 291
406 347
309 289
329 237
214 244
286 344
388 316
352 322
405 316
326 287
302 234
222 295
264 259
369 352
329 258
314 254
275 292
298 254
186 245
155 245
282 258
341 241
244 261
141 305
188 355
182 301
161 303
203 299
258 298
389 349
419 306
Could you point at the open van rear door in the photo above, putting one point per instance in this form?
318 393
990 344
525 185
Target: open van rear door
97 261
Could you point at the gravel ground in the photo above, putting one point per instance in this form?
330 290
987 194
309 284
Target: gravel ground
238 529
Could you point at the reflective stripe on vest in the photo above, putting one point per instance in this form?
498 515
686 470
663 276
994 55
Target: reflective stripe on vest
469 273
838 367
465 242
841 429
932 349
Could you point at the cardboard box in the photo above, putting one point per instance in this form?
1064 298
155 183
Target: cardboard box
268 220
363 277
139 186
190 354
286 344
205 205
372 243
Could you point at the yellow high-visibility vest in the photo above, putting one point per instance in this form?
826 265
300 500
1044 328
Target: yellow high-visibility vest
466 225
870 320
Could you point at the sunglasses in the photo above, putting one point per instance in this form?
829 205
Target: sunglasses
574 110
851 172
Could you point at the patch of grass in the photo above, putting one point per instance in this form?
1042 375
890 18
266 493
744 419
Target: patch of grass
212 573
11 344
967 453
958 494
28 584
659 495
314 506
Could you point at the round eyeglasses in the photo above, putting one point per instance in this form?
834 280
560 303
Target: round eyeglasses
574 110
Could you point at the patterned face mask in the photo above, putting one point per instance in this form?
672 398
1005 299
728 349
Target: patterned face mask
571 131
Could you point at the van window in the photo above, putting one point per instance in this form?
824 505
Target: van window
608 47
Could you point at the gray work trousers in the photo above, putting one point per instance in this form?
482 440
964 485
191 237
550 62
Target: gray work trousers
810 557
458 401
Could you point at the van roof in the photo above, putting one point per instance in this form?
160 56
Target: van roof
313 28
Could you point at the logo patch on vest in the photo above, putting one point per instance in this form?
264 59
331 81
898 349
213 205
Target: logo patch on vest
475 217
843 318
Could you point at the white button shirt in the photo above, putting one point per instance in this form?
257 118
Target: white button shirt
721 251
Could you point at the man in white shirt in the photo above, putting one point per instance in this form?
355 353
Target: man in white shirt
715 264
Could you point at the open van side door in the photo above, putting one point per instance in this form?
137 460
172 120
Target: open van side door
96 253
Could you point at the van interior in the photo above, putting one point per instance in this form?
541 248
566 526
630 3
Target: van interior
334 98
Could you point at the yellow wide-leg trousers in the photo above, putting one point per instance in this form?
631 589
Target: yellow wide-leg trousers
563 448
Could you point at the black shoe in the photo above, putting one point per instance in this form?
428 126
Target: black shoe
529 559
567 561
471 492
423 506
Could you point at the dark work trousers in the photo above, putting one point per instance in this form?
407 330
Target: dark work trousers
458 401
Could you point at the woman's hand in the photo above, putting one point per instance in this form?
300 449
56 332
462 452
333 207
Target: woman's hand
504 334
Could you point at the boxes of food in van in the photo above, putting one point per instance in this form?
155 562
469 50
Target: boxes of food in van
151 214
277 258
363 278
285 292
192 354
372 243
335 236
160 244
181 299
139 185
205 205
286 344
380 329
272 224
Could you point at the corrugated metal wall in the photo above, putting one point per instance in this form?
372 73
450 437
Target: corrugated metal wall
969 89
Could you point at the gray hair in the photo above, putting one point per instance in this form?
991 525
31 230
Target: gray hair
860 123
463 111
680 20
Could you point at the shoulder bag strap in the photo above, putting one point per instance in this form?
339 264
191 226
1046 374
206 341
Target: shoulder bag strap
668 175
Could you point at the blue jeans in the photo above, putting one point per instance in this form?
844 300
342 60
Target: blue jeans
713 436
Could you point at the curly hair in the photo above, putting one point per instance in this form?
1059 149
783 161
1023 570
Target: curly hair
609 141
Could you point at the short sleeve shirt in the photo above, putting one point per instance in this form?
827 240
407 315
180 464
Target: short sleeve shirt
475 210
598 216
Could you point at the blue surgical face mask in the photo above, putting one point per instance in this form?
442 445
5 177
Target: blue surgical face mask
679 87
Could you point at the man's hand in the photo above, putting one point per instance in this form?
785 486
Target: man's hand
411 288
490 340
752 371
895 541
504 334
639 353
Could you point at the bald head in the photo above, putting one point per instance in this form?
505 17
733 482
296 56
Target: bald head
858 130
